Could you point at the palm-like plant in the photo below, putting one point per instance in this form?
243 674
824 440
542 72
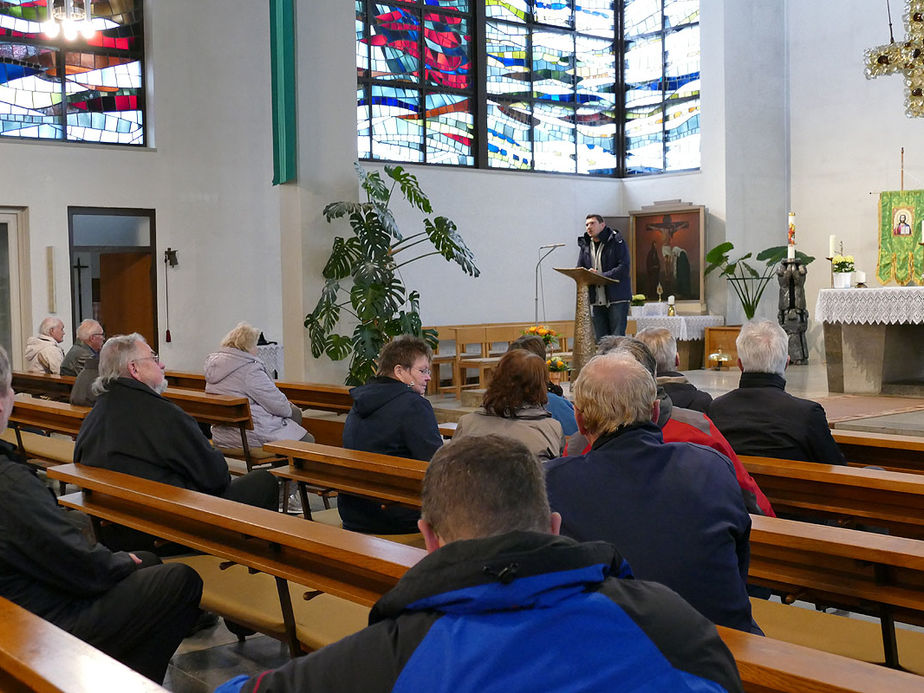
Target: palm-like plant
749 283
370 259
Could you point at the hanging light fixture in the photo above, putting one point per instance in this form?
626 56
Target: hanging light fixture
69 18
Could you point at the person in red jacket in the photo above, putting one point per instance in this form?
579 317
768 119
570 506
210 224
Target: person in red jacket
680 425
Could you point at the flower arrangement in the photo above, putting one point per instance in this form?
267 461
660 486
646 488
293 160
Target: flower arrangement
556 365
843 263
547 333
637 300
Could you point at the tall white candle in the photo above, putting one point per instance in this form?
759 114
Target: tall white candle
791 252
859 277
832 244
670 300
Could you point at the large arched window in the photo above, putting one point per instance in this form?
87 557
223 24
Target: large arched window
76 89
592 87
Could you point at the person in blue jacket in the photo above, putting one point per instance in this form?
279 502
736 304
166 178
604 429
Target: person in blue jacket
604 251
674 510
501 603
391 416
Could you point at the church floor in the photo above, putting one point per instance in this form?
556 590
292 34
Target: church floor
213 656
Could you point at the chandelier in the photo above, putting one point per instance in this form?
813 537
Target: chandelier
68 18
905 58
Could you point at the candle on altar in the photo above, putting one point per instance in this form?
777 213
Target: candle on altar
670 300
860 277
832 244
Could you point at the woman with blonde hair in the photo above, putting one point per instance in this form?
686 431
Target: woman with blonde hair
235 369
514 406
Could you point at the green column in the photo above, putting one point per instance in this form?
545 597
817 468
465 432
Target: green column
282 64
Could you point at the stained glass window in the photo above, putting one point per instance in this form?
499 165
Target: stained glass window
80 90
552 92
662 74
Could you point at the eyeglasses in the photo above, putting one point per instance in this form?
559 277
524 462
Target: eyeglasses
98 334
154 357
423 371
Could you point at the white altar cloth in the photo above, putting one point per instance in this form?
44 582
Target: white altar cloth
888 305
682 327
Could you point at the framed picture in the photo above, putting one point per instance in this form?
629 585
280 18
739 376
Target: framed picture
666 243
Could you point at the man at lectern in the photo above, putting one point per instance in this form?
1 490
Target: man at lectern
605 252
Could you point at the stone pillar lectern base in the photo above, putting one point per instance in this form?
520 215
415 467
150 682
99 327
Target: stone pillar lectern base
585 345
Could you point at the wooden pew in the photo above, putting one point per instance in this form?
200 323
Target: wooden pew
334 398
893 452
362 568
853 496
36 655
57 387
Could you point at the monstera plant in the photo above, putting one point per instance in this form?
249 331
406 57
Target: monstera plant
362 275
749 282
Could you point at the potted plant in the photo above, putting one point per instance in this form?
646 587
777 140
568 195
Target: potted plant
548 335
362 274
843 268
556 366
748 282
636 304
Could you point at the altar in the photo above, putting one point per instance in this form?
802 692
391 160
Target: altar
688 330
874 339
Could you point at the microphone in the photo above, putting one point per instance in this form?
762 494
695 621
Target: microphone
552 245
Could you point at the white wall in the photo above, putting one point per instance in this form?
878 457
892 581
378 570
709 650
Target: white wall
209 178
847 132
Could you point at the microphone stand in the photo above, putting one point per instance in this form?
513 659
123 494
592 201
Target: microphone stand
536 299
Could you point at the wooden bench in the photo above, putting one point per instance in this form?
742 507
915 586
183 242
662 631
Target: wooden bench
361 569
894 500
36 655
57 387
893 452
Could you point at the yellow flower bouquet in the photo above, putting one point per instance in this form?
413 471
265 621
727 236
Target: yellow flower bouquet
547 334
557 365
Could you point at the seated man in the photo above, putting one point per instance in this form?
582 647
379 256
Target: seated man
674 510
501 603
134 430
43 353
90 338
560 408
679 425
127 605
681 391
760 417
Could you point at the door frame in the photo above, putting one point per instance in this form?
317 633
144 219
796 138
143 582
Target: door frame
21 282
151 248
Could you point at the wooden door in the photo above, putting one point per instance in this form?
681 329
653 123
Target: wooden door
126 295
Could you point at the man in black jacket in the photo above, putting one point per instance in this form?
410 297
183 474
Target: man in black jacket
760 417
682 392
501 602
132 429
604 251
126 604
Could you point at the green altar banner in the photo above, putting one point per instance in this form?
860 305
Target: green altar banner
901 219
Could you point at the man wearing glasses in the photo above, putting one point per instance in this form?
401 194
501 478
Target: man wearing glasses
90 338
132 429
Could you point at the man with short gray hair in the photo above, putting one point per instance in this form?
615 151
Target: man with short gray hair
132 429
674 510
43 353
500 602
90 338
760 417
681 391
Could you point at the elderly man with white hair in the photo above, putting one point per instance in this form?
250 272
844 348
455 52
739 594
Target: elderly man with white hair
90 338
43 353
760 417
682 392
674 510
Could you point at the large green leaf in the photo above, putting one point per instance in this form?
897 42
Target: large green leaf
372 183
447 241
338 347
366 273
343 258
377 301
335 210
719 254
374 239
410 188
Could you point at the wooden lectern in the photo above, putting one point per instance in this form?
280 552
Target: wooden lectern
585 345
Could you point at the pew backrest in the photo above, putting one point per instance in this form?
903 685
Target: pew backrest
40 384
47 415
893 452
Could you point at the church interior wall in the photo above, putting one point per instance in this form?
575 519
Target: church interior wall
208 179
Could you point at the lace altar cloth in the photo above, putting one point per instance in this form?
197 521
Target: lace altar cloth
272 356
889 305
682 327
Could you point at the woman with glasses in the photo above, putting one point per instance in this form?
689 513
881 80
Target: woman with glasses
514 406
391 416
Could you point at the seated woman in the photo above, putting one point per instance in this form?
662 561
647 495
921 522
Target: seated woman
560 408
236 370
513 406
391 416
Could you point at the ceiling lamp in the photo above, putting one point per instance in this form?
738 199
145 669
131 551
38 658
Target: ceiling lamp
68 18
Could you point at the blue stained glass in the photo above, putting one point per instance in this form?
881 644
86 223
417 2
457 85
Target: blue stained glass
509 10
397 129
509 135
554 12
596 17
